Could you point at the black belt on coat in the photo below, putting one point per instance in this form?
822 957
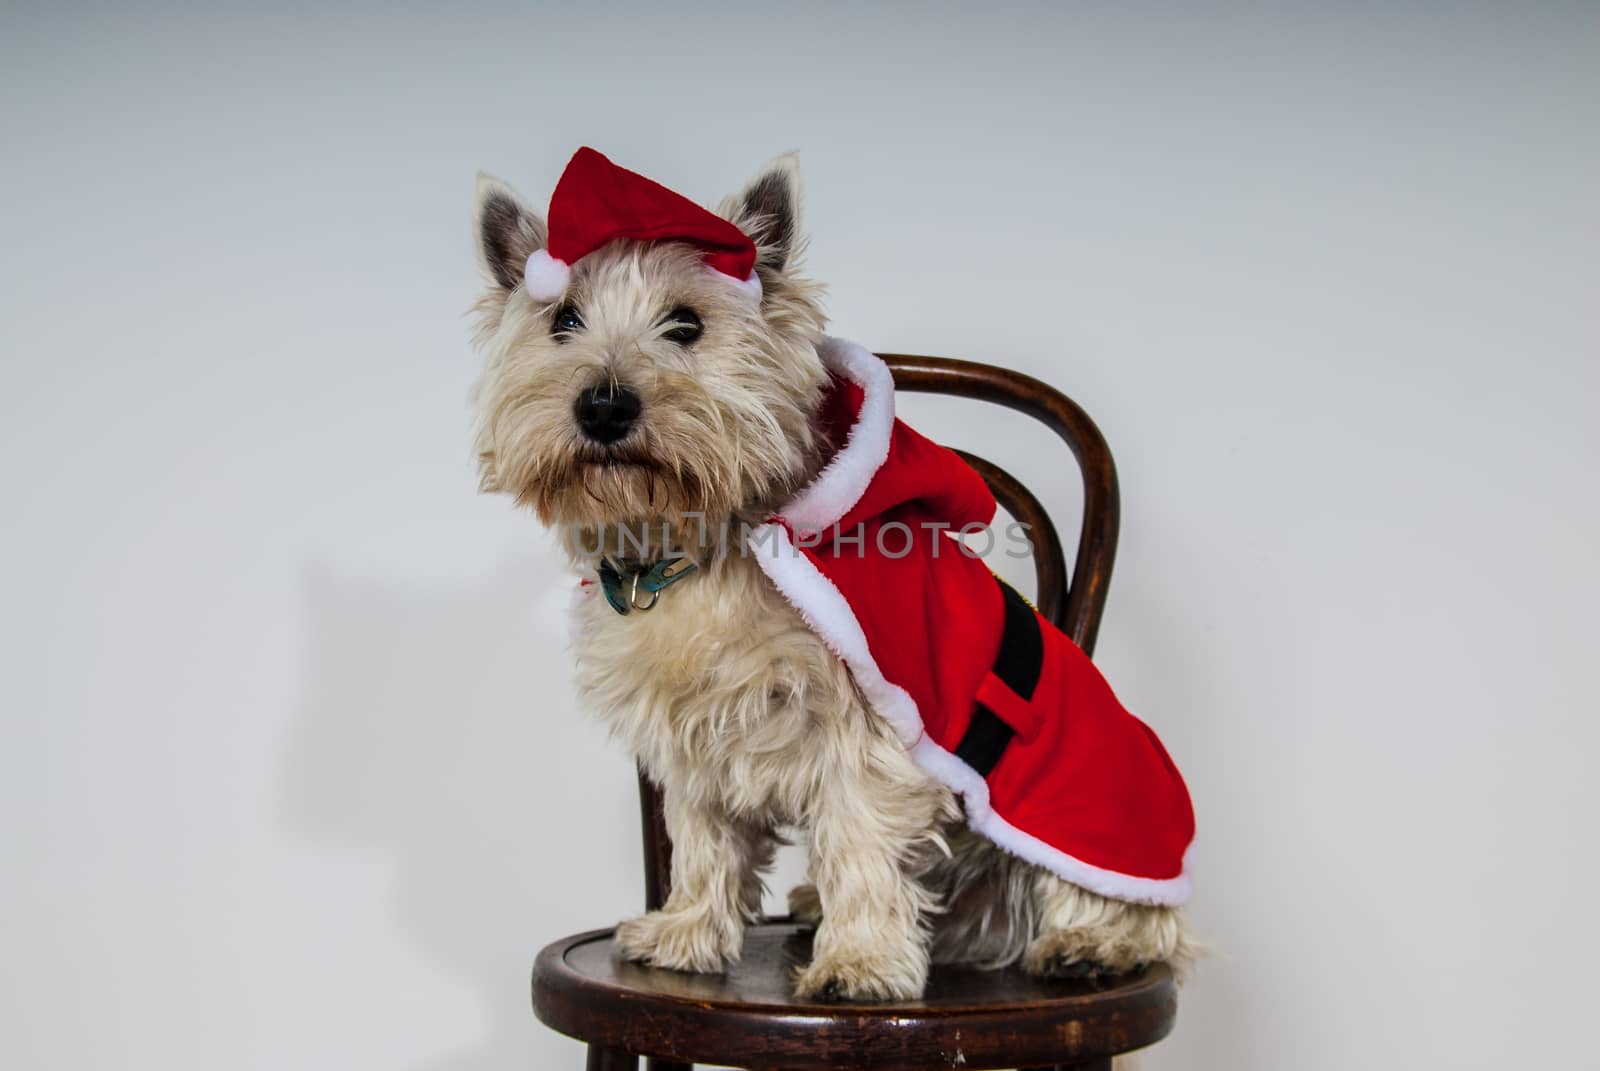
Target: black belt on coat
1017 666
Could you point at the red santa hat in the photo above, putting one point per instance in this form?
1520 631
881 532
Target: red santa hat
596 202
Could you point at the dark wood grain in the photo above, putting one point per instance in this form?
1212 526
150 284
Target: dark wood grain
603 1059
656 1063
750 1017
1049 563
657 844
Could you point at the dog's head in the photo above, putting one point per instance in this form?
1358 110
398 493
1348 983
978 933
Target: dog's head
651 389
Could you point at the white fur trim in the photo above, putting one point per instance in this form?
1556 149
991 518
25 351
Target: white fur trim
750 286
545 278
842 483
1161 892
828 613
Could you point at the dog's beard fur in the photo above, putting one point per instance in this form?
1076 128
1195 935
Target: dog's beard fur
731 702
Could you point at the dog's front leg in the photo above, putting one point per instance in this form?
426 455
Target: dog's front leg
716 888
872 943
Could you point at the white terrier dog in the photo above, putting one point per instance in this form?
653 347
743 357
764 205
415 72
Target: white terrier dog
636 402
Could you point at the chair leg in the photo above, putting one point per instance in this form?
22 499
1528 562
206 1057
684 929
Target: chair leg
658 1064
601 1059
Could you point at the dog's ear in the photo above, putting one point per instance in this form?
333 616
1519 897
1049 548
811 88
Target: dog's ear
769 212
506 230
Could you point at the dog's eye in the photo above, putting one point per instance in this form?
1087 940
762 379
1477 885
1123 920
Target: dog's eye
567 322
685 326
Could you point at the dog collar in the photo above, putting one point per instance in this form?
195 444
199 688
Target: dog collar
637 585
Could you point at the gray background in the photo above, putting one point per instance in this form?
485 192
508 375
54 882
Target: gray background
290 767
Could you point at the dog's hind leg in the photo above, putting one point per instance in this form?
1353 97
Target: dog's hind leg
1082 933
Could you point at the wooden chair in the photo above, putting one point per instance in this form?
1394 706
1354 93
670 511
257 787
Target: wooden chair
749 1016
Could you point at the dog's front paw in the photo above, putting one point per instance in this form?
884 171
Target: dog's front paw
1082 953
856 974
679 941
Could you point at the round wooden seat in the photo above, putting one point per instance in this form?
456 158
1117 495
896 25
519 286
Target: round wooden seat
749 1016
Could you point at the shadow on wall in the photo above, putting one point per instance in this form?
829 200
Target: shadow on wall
438 734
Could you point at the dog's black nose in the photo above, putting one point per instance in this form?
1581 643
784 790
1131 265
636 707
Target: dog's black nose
605 413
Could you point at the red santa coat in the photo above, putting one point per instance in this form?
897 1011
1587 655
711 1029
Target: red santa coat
987 696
